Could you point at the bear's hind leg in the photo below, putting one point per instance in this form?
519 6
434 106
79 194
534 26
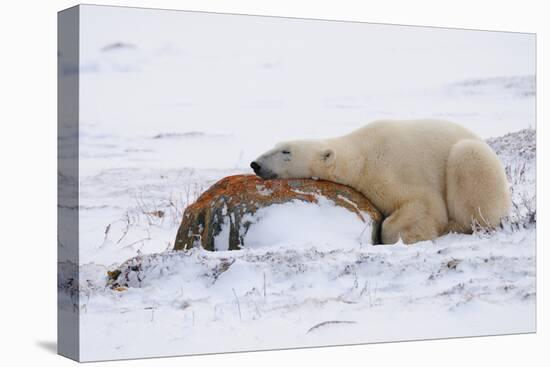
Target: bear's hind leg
477 189
415 221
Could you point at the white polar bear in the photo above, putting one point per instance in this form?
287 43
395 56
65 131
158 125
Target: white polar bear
427 177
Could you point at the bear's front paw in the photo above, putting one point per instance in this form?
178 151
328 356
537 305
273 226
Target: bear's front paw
408 224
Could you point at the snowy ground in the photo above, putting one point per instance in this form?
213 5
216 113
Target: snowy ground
169 106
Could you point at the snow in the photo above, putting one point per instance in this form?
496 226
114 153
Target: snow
201 302
297 223
221 241
172 102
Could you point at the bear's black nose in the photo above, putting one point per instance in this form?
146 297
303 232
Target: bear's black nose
256 167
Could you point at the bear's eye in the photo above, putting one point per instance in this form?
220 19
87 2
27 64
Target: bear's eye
285 152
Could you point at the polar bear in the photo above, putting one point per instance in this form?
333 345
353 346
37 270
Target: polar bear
427 177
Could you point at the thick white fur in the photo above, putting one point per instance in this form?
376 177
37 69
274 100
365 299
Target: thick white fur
427 177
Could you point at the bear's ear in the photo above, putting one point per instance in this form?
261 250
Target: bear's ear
327 155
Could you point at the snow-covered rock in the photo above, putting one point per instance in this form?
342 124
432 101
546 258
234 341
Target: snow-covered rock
246 211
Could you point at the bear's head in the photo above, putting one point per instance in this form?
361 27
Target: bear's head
296 159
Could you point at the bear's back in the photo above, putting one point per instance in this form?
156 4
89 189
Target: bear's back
408 153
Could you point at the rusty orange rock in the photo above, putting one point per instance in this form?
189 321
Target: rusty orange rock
233 197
